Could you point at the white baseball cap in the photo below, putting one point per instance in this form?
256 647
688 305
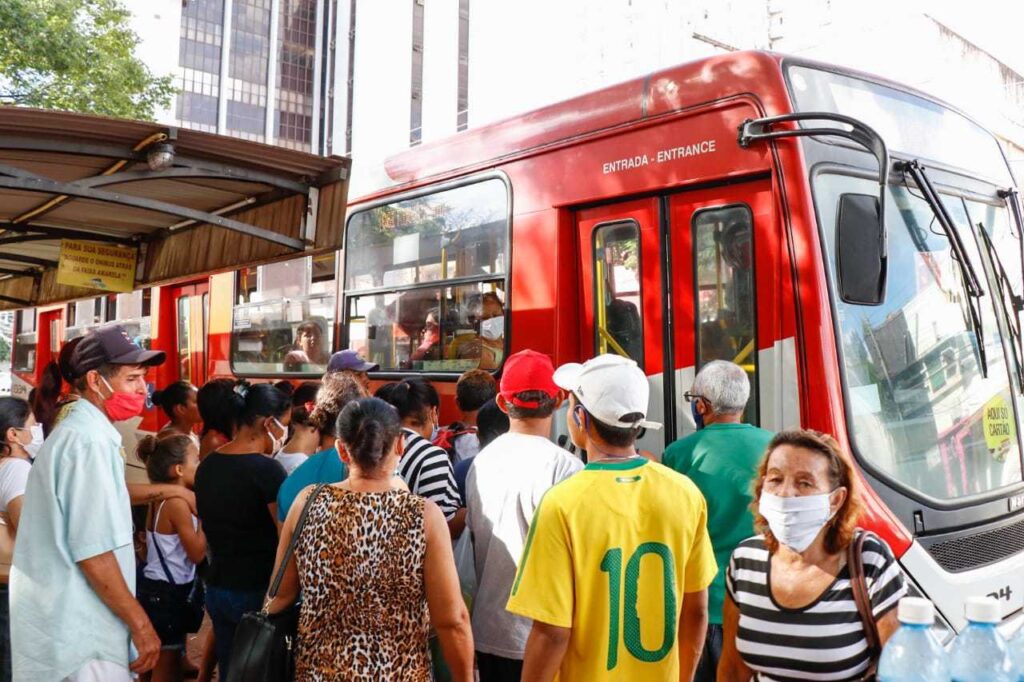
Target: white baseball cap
610 387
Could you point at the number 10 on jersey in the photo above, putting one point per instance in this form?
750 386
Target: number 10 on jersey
612 565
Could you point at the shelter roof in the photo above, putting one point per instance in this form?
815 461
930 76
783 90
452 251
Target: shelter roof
215 203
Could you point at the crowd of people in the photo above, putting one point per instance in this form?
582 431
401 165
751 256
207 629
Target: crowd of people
730 559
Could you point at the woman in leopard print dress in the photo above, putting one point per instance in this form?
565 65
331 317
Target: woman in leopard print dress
375 568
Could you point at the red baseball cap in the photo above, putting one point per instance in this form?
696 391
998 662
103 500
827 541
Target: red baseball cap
527 370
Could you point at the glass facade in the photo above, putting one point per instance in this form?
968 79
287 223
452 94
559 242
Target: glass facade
293 114
271 69
202 36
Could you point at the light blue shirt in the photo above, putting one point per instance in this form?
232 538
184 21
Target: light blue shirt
75 507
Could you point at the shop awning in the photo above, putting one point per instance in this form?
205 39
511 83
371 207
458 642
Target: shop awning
187 202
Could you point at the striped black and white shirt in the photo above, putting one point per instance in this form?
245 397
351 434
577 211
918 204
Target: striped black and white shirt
427 471
822 641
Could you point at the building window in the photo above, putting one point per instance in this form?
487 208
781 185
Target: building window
462 117
723 249
416 95
618 321
246 118
197 108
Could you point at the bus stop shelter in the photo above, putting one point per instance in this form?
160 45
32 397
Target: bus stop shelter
187 202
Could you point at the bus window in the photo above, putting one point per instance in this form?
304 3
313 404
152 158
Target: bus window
133 310
83 316
184 338
441 329
110 308
25 341
618 323
283 321
400 311
723 251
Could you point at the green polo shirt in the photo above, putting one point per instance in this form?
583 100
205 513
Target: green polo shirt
722 460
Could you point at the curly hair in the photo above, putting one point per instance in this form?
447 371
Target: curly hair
337 391
842 526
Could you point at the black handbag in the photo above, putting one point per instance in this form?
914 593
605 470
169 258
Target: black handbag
264 646
172 608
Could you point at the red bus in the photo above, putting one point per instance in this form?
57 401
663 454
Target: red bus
853 244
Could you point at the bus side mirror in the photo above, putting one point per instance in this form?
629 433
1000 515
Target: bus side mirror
860 250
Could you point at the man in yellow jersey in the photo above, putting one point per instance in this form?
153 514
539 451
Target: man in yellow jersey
617 562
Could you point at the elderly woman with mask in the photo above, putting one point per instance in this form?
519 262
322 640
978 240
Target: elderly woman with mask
791 610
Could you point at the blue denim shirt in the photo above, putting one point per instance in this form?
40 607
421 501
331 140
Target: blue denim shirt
75 507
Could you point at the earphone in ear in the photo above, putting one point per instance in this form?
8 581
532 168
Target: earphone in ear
576 416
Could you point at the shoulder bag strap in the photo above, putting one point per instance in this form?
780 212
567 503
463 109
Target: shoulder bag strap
160 554
859 587
291 544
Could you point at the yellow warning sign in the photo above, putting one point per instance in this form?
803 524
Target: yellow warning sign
998 423
96 265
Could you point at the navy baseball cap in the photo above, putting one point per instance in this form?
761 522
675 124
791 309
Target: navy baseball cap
349 359
110 344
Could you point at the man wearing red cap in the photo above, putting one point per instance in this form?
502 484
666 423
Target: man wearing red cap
505 484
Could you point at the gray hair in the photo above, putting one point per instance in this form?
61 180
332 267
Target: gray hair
724 384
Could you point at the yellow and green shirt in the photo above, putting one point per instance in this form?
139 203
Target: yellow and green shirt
611 553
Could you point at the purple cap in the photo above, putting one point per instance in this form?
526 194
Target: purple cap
110 344
349 359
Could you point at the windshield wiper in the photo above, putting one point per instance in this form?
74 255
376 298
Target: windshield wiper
1016 304
968 275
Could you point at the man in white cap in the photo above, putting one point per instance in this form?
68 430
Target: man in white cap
617 561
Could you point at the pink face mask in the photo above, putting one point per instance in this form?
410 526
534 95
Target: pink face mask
122 405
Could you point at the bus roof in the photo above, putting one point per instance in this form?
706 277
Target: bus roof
640 99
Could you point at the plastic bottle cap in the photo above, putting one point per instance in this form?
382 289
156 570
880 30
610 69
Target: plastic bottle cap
982 610
916 611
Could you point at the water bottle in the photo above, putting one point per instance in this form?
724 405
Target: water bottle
912 654
1017 654
980 653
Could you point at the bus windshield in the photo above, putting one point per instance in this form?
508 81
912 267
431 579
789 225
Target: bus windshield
921 410
908 123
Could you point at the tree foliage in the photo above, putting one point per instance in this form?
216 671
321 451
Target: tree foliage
76 55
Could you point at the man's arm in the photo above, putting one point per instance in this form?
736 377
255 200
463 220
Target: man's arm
144 493
104 576
693 628
545 649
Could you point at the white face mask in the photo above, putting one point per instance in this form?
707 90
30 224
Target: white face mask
796 521
276 444
32 448
493 329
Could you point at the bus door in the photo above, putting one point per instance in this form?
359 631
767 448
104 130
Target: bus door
191 325
725 286
621 268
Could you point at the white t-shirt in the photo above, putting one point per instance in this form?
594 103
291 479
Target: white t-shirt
467 445
503 488
291 460
13 479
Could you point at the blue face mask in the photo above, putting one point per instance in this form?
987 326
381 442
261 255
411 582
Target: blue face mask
698 418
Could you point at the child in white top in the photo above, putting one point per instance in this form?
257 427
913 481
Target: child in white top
175 543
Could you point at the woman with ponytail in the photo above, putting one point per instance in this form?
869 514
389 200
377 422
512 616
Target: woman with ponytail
179 402
236 494
369 547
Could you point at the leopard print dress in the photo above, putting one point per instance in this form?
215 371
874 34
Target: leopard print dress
364 605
